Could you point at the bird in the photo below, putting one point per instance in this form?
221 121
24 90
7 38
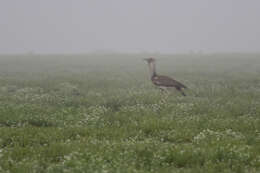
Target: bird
163 82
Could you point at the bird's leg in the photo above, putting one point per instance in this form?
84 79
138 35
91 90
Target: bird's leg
165 94
163 89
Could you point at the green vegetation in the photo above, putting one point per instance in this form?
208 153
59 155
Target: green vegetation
101 113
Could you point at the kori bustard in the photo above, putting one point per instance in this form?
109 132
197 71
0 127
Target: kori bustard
163 82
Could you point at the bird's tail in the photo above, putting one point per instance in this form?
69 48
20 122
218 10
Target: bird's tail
183 86
180 90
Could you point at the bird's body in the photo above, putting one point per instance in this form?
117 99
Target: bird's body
163 82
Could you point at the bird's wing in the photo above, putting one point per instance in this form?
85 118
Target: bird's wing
167 81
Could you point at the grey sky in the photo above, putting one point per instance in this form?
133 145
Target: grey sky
167 26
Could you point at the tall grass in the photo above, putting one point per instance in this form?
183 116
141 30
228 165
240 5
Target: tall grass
100 113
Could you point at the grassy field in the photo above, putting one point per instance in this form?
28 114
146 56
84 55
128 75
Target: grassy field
101 113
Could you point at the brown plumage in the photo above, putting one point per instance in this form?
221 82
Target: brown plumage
163 82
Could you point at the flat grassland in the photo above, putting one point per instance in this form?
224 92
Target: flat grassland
101 113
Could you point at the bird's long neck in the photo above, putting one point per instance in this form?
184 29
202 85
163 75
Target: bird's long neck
152 69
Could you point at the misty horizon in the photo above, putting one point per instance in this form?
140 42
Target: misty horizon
146 26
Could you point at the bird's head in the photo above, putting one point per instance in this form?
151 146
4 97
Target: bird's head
149 60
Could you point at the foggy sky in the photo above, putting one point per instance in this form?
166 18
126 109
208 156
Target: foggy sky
166 26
